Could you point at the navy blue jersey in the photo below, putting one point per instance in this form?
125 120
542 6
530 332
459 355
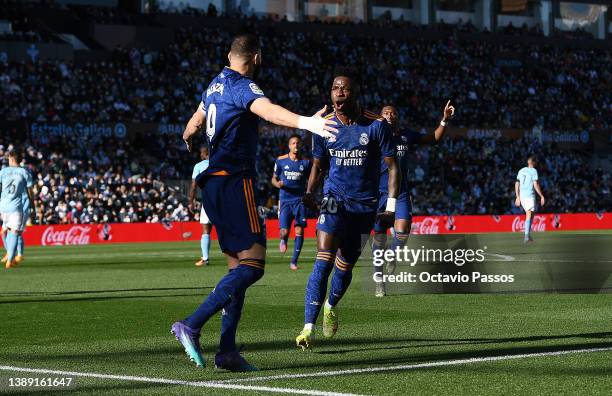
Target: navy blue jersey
231 128
402 141
354 157
294 175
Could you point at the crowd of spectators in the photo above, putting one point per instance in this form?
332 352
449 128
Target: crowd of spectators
95 181
111 180
492 83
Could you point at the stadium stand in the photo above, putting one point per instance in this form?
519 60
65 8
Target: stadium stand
492 82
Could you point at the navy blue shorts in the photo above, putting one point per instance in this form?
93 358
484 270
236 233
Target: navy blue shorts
229 202
403 209
351 229
290 211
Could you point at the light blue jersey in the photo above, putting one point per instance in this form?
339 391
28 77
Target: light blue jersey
14 182
25 204
526 177
199 168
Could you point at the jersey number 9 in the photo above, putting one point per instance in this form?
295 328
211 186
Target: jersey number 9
211 115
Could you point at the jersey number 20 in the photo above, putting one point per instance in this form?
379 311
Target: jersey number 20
211 115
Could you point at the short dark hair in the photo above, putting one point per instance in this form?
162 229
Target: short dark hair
245 45
350 73
532 158
388 105
295 135
14 155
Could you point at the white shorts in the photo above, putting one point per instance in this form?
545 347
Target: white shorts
204 217
12 221
528 204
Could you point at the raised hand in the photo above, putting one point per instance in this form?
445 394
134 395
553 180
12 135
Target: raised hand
449 111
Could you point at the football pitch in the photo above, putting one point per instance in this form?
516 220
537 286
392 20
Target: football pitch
101 315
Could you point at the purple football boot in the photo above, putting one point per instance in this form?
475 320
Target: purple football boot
190 340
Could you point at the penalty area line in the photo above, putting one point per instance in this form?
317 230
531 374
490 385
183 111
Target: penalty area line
403 367
165 381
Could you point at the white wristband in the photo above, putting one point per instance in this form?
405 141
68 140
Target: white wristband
390 205
307 123
443 123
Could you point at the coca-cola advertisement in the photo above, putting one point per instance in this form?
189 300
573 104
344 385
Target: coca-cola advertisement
538 224
75 235
426 225
59 235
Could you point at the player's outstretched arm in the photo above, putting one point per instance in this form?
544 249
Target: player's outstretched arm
193 126
438 134
517 191
536 186
280 116
317 171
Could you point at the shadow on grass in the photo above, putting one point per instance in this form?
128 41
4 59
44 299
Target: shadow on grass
201 291
348 345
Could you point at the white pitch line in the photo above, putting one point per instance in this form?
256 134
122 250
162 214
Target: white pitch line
199 384
418 365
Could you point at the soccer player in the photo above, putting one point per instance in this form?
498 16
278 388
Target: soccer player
404 140
14 182
25 202
524 187
348 209
204 220
290 176
230 109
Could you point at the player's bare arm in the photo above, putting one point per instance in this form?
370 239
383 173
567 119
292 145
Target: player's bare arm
538 189
388 216
278 115
193 126
436 137
192 195
276 182
517 191
30 195
314 181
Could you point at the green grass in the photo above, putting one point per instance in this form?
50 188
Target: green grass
108 309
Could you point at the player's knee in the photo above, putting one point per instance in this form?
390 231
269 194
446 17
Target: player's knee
283 233
299 231
402 236
256 267
325 260
345 262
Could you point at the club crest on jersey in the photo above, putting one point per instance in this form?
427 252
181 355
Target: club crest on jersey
363 139
301 167
404 139
217 87
256 90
